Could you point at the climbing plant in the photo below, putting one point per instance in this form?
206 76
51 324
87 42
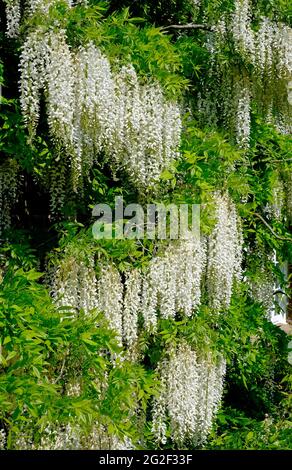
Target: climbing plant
126 343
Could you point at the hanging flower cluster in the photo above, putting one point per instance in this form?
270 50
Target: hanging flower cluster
132 306
110 297
61 438
273 48
262 289
266 52
32 66
43 6
59 88
90 109
9 185
2 439
147 133
58 185
242 33
269 48
46 66
242 120
75 284
172 282
13 16
70 437
100 439
276 205
224 253
196 3
14 10
261 277
190 395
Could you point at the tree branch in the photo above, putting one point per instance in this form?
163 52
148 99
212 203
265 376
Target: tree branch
271 229
188 26
280 161
61 372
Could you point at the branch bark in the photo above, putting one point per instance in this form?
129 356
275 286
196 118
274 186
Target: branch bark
61 372
271 229
188 26
278 161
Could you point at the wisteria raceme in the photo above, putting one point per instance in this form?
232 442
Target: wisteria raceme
224 253
46 66
94 115
262 289
110 297
196 3
284 47
100 439
269 48
87 286
65 284
190 395
74 284
61 438
91 109
283 124
261 277
211 379
129 115
172 282
220 29
14 10
275 207
149 298
73 388
168 268
70 437
241 28
59 89
263 280
57 187
273 48
207 108
43 6
134 125
242 120
2 439
33 59
13 16
132 306
9 188
265 47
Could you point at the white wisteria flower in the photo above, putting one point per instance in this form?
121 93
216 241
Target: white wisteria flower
224 253
13 17
93 110
190 394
